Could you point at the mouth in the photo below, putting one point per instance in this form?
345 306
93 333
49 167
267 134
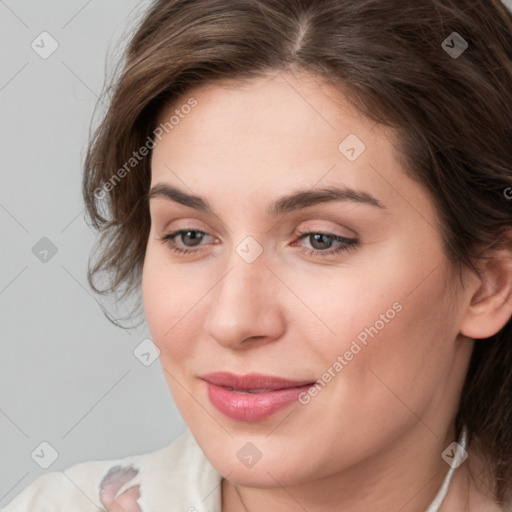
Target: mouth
252 397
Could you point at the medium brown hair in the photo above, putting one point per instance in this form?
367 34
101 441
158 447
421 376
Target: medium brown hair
452 115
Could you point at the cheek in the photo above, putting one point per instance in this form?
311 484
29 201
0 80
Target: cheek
408 359
166 301
392 316
343 301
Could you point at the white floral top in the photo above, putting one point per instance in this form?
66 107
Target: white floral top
176 478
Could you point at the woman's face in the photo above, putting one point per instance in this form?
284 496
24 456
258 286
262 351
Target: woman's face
284 279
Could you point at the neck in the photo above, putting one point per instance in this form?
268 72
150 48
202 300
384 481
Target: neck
472 487
405 477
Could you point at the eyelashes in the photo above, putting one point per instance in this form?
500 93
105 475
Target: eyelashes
345 244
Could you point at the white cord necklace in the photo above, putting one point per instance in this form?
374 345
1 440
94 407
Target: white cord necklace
443 491
438 500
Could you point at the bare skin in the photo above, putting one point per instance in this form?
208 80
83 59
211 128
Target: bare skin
372 438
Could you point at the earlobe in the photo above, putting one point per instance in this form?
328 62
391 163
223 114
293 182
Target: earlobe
490 297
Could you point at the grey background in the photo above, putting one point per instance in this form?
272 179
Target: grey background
67 376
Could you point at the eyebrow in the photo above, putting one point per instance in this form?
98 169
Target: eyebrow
285 204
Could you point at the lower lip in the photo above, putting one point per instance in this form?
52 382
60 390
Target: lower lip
252 406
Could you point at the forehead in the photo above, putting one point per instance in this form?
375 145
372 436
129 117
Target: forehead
273 134
282 110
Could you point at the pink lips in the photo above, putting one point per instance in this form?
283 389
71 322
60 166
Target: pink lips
251 397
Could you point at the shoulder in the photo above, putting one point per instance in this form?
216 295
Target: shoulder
178 474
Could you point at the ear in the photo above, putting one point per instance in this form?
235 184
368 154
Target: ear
490 296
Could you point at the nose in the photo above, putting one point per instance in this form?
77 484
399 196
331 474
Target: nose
245 309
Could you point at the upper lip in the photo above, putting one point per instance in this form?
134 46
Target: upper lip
252 381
